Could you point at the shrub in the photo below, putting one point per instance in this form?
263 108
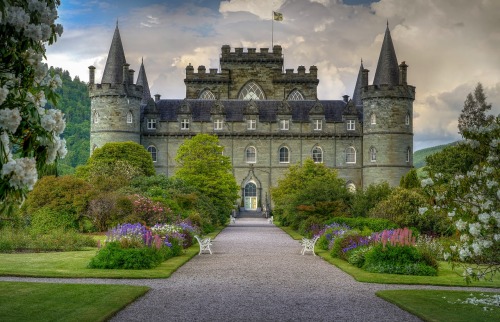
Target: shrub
347 242
373 224
113 255
329 233
356 256
45 220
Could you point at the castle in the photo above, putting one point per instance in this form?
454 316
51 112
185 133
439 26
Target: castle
266 119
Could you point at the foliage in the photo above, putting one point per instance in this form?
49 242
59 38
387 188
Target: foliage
329 233
373 224
452 160
29 133
419 157
310 190
23 240
472 202
473 114
45 220
366 199
410 180
202 165
148 211
347 242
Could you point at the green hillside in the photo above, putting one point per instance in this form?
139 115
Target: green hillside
420 155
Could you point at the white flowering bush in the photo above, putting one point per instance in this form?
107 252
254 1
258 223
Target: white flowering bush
29 133
472 202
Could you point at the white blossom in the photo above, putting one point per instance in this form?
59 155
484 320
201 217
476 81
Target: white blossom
22 173
463 253
10 119
52 120
422 210
476 248
4 92
460 224
446 256
484 217
427 182
17 17
475 229
451 214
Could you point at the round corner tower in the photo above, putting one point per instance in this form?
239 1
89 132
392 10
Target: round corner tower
388 120
116 102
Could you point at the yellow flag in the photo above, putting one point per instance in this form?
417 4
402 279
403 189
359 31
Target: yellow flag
277 16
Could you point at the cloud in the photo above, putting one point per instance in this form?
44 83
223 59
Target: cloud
449 45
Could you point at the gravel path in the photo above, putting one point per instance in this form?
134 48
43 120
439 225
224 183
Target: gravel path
257 274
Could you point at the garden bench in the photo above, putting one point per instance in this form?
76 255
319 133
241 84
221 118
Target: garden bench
270 220
232 220
308 245
204 243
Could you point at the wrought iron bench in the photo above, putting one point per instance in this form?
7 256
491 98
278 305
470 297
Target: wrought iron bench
308 245
232 220
205 244
270 220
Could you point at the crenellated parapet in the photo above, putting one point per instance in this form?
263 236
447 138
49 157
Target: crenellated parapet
213 76
251 55
388 91
131 90
300 77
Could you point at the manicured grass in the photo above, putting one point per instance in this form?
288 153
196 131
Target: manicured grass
432 305
74 264
446 276
21 301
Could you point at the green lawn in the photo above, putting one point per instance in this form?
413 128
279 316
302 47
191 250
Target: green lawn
432 305
21 301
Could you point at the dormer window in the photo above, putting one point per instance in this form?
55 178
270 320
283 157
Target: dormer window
351 125
317 125
284 125
251 124
218 124
185 124
151 124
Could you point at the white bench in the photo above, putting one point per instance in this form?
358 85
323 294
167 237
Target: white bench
205 244
308 245
232 220
270 220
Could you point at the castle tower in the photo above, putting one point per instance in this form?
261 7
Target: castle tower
388 119
115 103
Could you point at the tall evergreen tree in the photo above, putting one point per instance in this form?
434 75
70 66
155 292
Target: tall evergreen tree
473 113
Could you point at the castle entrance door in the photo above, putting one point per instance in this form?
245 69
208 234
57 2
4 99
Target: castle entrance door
250 196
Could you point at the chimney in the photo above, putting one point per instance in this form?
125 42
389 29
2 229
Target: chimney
91 75
125 73
346 98
131 74
364 78
157 97
403 73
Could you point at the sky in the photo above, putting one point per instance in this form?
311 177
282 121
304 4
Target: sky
449 45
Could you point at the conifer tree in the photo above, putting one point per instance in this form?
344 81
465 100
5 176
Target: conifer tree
473 113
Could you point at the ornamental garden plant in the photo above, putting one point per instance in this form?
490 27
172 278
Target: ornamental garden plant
135 246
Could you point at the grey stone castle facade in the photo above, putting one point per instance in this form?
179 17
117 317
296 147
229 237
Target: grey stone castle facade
265 118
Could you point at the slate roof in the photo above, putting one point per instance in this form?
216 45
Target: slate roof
169 109
387 68
356 96
142 80
113 71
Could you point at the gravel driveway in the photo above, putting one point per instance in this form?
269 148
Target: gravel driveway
256 273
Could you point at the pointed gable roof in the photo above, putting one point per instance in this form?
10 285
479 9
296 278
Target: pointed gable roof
356 96
142 80
387 68
113 71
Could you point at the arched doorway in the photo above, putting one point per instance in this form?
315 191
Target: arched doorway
250 196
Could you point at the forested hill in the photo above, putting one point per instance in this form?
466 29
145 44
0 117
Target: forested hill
74 102
420 155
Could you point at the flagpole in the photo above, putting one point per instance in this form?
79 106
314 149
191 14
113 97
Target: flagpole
272 29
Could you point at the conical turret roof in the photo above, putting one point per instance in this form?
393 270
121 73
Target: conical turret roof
356 96
387 68
113 71
142 80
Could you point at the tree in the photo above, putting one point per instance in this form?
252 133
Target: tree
115 164
452 160
310 190
366 199
29 133
473 114
202 165
410 180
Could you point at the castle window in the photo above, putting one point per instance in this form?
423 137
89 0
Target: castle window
251 124
295 95
151 124
407 119
130 117
408 154
95 117
351 125
207 95
152 151
373 119
185 124
251 91
284 155
284 125
317 154
317 125
373 154
251 154
218 124
350 155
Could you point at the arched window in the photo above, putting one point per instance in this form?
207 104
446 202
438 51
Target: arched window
130 117
373 119
373 154
284 155
152 151
351 187
295 95
350 155
251 91
95 117
407 119
251 154
207 95
408 154
317 154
